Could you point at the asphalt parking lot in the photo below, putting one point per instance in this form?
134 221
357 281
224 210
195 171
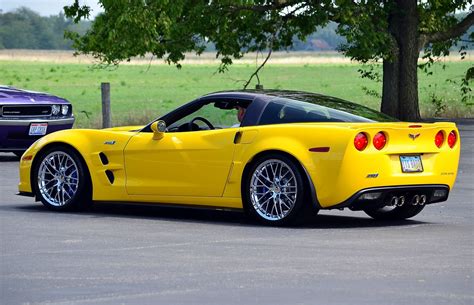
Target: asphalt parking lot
117 254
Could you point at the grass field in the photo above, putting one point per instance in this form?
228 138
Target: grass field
141 92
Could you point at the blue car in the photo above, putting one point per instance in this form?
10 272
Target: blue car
26 116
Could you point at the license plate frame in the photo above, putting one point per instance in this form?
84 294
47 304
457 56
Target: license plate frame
411 164
38 129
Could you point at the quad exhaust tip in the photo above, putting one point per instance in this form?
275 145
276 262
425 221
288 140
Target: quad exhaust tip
418 200
415 200
397 201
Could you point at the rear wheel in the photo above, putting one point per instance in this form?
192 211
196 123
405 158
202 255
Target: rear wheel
395 212
274 190
61 180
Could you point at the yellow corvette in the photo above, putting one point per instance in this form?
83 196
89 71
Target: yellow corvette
280 155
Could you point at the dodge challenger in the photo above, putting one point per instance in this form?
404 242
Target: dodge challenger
277 155
25 116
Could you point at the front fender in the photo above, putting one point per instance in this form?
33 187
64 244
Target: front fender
89 144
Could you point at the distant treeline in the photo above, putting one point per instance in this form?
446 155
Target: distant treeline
26 29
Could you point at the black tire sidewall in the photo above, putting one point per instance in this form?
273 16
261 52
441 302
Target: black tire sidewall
295 214
80 198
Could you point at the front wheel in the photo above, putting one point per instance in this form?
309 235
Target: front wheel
61 180
274 191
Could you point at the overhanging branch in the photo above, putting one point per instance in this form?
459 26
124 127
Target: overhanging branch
255 74
276 5
453 32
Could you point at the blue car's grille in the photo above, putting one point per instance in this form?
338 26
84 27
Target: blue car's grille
25 111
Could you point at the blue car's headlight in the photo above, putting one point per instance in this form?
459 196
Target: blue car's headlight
55 109
64 109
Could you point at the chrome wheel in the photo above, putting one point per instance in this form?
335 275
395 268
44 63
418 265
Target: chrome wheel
58 178
273 189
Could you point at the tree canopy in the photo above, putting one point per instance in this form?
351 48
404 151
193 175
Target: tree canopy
393 31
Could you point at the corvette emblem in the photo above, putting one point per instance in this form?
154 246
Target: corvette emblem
112 142
413 136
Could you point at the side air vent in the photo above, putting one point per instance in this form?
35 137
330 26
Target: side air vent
103 158
110 176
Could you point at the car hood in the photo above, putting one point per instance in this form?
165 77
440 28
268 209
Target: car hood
11 95
126 128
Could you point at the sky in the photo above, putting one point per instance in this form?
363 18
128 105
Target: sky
46 7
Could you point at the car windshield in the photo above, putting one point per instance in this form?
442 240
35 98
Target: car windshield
311 108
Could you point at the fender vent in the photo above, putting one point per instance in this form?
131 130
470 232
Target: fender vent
110 176
103 158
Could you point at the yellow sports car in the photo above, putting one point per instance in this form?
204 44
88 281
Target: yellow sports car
277 155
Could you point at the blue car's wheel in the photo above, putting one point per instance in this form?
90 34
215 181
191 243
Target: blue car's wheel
274 190
19 153
61 180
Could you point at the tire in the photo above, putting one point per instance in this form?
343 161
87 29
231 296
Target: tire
274 191
395 213
61 180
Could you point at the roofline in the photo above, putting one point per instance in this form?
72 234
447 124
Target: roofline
264 92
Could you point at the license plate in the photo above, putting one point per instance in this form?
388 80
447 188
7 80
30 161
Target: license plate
38 129
411 164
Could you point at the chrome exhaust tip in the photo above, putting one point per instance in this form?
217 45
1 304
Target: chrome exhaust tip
422 199
415 200
401 201
394 201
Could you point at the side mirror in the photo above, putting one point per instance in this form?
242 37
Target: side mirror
158 128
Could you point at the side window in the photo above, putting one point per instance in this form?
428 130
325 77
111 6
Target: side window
219 118
284 110
280 113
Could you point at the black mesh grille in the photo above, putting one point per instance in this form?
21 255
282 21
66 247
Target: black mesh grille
25 111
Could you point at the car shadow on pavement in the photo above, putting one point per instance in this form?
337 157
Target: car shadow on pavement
217 217
346 222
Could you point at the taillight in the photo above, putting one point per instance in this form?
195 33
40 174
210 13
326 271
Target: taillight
452 139
361 141
439 139
379 140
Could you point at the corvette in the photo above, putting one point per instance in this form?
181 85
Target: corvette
281 156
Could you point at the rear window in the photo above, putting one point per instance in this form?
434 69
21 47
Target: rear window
285 110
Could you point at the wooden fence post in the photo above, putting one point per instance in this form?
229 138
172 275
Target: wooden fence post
105 90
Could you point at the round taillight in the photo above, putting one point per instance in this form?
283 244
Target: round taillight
439 139
379 140
361 141
452 139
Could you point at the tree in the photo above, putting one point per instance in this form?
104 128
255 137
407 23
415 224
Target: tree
396 32
393 31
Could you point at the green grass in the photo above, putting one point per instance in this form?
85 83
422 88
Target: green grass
141 93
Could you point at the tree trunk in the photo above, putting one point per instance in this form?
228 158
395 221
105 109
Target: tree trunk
400 87
391 71
390 87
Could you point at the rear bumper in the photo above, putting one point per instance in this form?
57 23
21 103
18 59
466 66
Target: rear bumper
14 133
382 196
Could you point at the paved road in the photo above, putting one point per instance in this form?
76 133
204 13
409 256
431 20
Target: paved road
146 255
